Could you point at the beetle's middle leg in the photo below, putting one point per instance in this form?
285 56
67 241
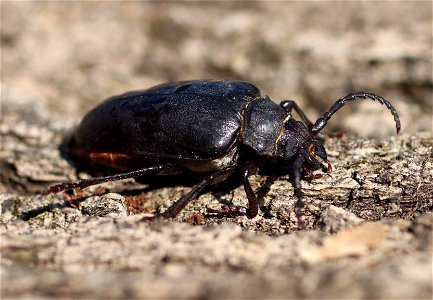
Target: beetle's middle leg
253 205
211 179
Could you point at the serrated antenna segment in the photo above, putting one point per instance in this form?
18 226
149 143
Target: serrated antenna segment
322 121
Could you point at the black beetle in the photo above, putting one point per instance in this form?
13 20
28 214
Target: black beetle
203 126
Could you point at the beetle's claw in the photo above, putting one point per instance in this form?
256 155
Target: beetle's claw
228 211
309 176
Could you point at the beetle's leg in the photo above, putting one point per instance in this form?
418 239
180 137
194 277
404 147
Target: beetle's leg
289 105
253 206
81 184
297 173
309 175
213 178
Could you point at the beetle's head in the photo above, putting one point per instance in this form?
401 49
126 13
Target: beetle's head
299 140
306 141
316 147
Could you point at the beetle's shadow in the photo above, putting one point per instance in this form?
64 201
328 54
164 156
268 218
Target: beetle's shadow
29 214
189 180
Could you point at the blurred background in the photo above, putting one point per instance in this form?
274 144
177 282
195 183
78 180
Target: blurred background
62 58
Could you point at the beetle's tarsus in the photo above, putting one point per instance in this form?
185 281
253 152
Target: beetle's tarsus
310 176
228 211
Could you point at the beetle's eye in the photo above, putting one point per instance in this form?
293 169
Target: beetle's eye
312 149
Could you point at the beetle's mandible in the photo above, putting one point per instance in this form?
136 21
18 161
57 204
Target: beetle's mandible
212 127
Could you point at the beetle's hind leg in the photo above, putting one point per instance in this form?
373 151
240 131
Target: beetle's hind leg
81 184
235 210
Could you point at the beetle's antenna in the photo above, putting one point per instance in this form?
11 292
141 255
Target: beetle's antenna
322 121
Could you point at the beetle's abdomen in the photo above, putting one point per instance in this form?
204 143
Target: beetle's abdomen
263 125
197 120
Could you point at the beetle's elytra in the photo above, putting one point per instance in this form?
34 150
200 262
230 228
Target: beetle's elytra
212 127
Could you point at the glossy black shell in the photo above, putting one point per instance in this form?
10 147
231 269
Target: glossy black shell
192 120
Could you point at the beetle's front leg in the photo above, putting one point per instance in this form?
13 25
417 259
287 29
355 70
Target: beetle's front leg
235 210
297 173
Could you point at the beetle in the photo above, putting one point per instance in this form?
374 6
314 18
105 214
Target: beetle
214 128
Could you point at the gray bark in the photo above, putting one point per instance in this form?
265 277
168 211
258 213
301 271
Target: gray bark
101 249
368 225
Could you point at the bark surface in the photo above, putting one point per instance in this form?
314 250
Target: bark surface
368 226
